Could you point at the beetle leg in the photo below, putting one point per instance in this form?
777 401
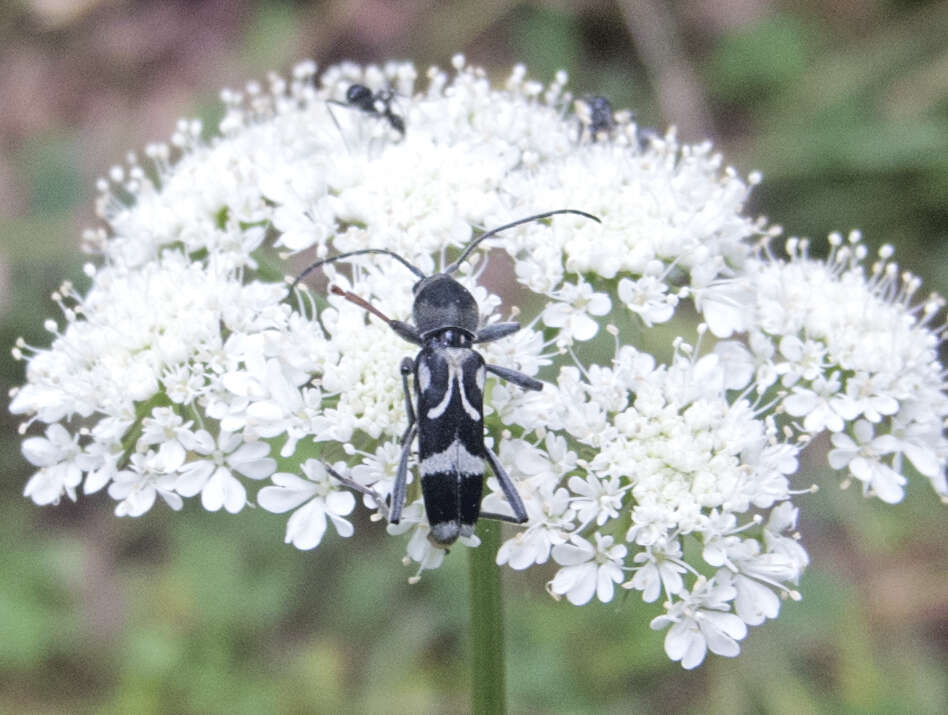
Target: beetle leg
354 485
510 491
517 378
332 115
407 368
499 517
401 478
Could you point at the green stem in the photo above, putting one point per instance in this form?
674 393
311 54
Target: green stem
488 692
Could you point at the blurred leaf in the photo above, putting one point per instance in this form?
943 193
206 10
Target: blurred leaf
55 184
272 26
760 59
37 616
545 40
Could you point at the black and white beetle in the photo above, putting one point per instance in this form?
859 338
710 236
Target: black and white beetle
375 104
448 413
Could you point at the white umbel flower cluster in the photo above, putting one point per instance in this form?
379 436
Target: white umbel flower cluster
187 370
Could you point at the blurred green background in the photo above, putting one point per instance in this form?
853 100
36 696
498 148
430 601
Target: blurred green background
844 107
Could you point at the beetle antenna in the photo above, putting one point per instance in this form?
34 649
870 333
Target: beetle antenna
313 266
493 232
362 303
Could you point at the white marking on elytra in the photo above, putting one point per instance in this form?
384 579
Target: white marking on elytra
454 458
438 410
424 376
455 358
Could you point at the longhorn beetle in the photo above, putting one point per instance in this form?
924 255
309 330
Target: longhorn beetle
447 414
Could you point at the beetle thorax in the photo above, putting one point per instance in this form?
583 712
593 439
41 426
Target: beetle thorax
442 303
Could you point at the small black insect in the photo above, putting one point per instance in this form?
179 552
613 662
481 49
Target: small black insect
447 413
597 120
595 116
375 104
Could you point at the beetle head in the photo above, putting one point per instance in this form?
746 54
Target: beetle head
441 302
358 94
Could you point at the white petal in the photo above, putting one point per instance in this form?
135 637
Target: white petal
839 458
343 527
251 461
72 475
171 499
298 240
340 503
599 304
565 579
40 452
44 487
200 441
290 492
583 327
530 460
265 411
137 503
576 552
171 456
584 587
223 490
96 480
647 581
306 526
194 476
887 483
685 642
257 469
555 315
605 582
722 630
229 441
923 458
800 402
755 602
